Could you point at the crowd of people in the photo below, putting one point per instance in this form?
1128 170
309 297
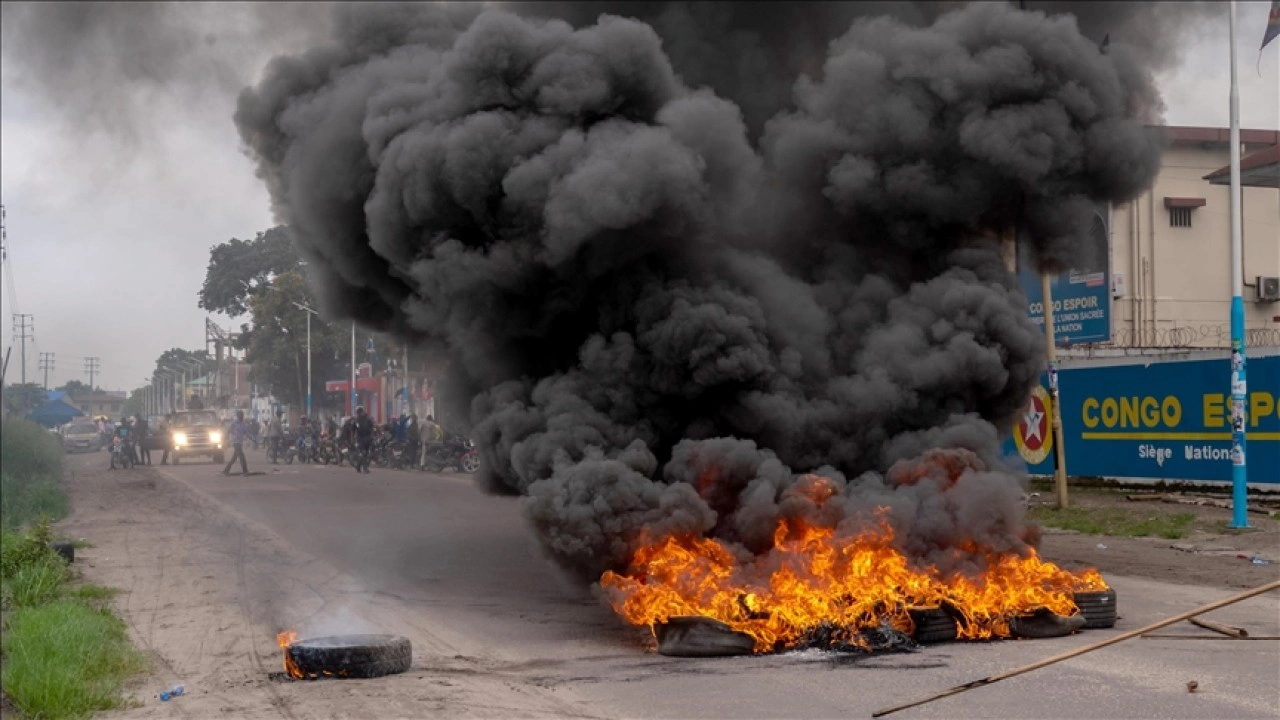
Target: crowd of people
359 432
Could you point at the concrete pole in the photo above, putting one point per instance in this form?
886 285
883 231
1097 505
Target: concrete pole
1239 384
308 363
353 369
1055 415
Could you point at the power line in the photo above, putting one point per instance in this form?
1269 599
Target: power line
91 367
46 364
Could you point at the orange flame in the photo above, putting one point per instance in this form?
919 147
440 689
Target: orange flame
285 639
813 577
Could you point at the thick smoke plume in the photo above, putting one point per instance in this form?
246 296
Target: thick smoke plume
658 322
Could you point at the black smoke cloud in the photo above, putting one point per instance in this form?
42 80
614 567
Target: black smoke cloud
658 322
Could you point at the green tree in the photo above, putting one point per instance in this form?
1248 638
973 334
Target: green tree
75 388
197 362
265 279
276 343
238 269
22 397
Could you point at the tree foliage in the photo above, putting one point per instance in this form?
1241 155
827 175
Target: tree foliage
75 388
239 268
174 359
22 397
276 343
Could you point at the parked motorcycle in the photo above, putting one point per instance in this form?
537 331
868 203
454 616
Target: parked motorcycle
457 452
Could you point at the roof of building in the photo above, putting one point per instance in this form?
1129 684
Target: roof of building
1219 136
1259 169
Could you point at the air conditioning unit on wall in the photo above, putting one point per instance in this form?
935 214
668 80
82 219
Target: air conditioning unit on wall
1267 289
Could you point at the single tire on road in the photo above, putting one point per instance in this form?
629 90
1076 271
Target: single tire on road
351 656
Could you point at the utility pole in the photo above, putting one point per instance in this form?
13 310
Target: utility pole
1051 350
24 326
353 369
46 364
1239 383
91 367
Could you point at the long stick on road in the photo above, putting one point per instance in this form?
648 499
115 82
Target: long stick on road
1080 651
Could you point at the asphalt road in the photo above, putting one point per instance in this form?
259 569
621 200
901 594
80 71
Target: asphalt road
467 560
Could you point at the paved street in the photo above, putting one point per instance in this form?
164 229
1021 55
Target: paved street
465 561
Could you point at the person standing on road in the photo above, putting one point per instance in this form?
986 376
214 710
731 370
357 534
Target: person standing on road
275 430
238 433
164 437
362 429
142 432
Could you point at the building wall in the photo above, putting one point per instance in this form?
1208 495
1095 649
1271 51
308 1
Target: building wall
1178 279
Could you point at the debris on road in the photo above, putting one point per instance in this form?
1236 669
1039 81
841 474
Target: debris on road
1192 686
1219 627
1275 585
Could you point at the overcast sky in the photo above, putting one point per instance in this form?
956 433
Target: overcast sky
109 231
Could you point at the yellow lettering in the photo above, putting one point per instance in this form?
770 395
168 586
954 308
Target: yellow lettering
1129 412
1261 404
1089 412
1213 410
1110 412
1150 412
1171 411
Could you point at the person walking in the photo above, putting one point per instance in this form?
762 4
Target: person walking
238 433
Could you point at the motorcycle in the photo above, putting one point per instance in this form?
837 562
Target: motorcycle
457 452
327 451
121 453
305 449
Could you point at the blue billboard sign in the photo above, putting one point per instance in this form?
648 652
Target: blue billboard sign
1166 420
1081 304
1081 296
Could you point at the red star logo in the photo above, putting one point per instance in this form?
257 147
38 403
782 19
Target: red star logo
1035 424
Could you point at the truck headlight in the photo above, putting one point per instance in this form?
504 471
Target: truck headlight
179 439
215 437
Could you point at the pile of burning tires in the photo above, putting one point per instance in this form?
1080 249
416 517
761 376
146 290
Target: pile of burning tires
940 624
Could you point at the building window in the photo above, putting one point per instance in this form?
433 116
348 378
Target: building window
1180 210
1180 217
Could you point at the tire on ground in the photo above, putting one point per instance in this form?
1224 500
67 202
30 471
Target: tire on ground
1098 608
352 656
65 549
933 625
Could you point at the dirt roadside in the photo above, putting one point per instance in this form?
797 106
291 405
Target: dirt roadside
204 591
1210 555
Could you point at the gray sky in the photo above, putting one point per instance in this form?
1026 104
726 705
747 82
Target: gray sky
109 231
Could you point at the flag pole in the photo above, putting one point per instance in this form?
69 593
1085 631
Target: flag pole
1239 496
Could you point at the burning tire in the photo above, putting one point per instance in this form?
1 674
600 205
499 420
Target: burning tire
933 625
349 656
692 636
1098 608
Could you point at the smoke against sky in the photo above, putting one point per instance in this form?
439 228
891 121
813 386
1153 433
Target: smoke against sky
655 318
119 155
